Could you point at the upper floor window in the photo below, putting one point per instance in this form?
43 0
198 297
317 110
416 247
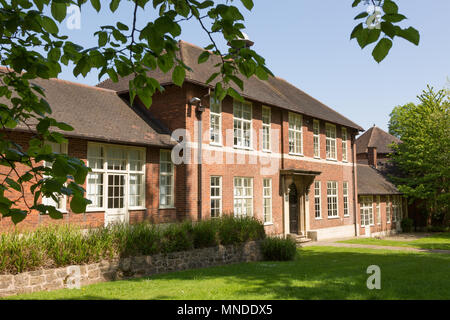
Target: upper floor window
295 134
330 131
316 137
216 196
215 121
266 119
242 112
344 144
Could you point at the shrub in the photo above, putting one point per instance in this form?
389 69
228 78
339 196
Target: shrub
177 237
204 234
234 230
407 224
278 249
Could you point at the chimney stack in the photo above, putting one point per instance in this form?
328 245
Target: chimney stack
372 156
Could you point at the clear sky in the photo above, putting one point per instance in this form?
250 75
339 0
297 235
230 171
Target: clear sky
307 43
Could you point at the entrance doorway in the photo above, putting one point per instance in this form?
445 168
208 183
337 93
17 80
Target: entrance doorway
293 209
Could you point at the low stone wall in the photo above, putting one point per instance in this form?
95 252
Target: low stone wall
141 266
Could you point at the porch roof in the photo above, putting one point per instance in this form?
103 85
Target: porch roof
299 172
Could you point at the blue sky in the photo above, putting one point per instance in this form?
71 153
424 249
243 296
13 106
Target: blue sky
307 43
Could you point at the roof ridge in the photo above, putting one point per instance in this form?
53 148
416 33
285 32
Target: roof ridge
80 84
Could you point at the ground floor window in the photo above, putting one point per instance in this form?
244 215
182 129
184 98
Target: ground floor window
166 183
59 202
317 202
117 179
366 210
388 209
396 209
332 198
216 196
345 194
243 196
267 200
378 210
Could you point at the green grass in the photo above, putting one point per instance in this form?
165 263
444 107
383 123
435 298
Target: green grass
436 241
316 273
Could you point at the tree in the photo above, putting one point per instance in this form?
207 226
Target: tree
31 47
423 157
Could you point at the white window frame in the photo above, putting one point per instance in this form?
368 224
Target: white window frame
239 119
266 126
295 121
267 196
366 211
242 196
378 209
332 199
170 204
388 209
316 138
344 138
218 116
48 201
317 200
104 171
216 197
346 203
330 132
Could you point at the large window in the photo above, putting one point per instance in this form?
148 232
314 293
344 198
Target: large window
366 207
345 194
216 196
396 209
166 182
317 200
344 144
295 133
266 119
242 112
243 196
330 131
378 210
316 138
215 121
267 200
60 200
332 199
117 177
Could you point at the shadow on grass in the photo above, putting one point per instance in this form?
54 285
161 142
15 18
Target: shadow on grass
318 274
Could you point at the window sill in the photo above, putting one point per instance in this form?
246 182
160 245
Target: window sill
317 157
244 148
347 216
137 208
345 161
268 223
329 159
333 217
214 144
267 151
318 218
95 209
296 154
166 208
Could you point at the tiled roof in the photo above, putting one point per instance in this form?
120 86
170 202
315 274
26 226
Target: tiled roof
375 137
99 114
372 181
275 91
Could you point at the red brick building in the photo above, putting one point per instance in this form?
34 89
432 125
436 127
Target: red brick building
380 204
281 156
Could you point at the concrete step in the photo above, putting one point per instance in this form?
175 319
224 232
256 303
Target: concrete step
299 239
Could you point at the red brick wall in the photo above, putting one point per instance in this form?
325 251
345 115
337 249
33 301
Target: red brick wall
382 225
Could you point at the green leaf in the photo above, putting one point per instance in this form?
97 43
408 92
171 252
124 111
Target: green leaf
410 34
13 184
381 50
114 5
49 25
390 7
356 30
54 213
59 11
17 215
203 57
178 75
212 77
248 4
78 204
122 26
234 94
96 5
361 15
388 29
393 17
102 38
355 3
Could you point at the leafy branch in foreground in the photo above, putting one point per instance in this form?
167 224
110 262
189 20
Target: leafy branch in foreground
381 25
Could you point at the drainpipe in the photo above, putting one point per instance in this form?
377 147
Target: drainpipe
355 186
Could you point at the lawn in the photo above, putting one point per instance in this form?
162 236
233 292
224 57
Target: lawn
317 273
436 241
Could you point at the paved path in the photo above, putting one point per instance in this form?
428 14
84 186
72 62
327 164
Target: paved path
334 243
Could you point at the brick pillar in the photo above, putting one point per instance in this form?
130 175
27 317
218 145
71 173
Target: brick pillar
372 156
